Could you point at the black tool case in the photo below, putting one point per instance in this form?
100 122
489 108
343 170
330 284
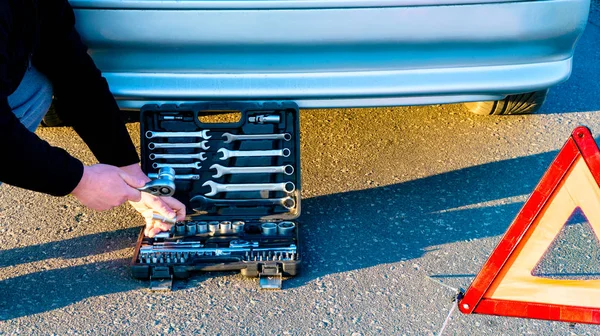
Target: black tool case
253 231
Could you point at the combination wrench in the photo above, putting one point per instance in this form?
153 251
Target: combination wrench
200 156
237 137
203 203
195 165
179 177
204 145
200 134
163 185
233 153
216 188
222 170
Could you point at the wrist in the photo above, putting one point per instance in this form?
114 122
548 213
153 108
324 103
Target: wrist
83 182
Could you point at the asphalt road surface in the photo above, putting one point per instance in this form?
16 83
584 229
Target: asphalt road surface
396 201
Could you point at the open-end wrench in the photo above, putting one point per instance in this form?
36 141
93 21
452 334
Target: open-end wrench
273 152
216 188
221 170
200 156
236 137
204 145
163 185
195 165
202 203
179 177
200 134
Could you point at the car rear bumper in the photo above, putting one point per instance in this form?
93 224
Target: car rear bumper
331 57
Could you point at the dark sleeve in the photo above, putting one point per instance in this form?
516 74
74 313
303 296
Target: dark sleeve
82 94
28 161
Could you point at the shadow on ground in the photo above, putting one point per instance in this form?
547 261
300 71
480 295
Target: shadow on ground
341 232
401 222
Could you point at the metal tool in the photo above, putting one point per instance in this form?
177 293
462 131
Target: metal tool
285 228
180 228
238 226
243 243
238 137
204 145
213 226
163 185
194 165
164 219
273 152
216 188
269 229
200 202
202 227
200 156
222 170
225 227
190 227
183 251
180 177
265 119
200 134
175 118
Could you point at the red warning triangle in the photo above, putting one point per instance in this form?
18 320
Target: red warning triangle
505 285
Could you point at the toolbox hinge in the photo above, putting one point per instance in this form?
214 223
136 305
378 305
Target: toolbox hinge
161 279
270 277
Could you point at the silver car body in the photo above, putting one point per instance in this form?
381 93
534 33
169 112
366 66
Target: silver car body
335 53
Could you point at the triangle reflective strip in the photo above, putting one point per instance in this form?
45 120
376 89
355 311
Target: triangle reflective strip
505 285
515 282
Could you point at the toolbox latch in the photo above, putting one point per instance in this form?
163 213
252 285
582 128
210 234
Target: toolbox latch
270 277
161 279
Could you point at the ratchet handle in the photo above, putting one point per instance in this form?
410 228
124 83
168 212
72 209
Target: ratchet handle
163 186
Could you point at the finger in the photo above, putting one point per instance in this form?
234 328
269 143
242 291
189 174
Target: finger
162 226
133 195
176 205
149 223
156 204
147 214
133 182
153 232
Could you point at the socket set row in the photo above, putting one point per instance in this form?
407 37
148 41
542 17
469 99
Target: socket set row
184 252
191 228
240 182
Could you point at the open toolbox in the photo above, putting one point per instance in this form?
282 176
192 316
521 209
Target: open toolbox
240 182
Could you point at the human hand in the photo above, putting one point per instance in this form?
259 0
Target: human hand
166 206
149 204
104 187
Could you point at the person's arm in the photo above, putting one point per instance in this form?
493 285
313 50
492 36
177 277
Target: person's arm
82 94
28 161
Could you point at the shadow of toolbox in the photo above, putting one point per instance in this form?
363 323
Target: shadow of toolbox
240 182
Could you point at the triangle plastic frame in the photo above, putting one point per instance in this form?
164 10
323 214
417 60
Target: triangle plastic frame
479 298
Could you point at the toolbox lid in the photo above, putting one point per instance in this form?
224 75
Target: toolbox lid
244 169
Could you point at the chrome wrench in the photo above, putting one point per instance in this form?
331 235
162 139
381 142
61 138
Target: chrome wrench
204 145
195 165
236 137
200 134
222 170
200 156
216 188
233 153
180 177
203 203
